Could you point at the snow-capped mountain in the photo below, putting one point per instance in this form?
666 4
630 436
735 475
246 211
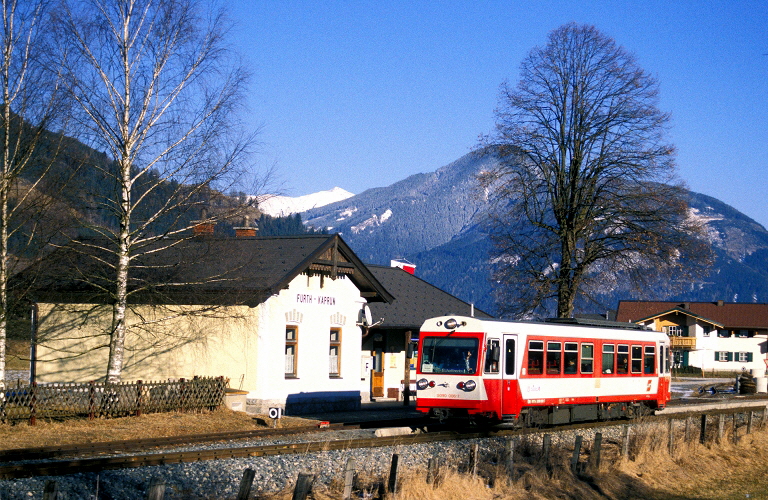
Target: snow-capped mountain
280 206
432 219
416 214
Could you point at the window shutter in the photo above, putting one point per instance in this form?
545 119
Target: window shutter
749 357
717 356
730 356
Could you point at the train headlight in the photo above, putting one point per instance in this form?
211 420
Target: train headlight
422 384
453 323
467 386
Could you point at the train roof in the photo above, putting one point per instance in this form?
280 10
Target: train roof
559 327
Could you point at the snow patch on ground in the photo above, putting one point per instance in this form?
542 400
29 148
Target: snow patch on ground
372 222
346 213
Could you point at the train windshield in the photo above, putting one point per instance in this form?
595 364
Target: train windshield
449 355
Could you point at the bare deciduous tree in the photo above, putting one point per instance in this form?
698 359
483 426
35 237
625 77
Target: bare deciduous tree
30 103
585 189
158 91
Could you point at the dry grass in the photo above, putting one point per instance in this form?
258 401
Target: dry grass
713 471
53 433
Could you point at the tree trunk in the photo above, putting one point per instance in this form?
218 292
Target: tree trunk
4 189
119 325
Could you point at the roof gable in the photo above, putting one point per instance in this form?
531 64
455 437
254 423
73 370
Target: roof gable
684 312
730 315
202 269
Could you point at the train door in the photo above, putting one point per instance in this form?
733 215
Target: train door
509 389
664 369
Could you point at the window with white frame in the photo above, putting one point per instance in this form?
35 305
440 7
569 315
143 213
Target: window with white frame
291 350
722 356
744 357
334 353
674 330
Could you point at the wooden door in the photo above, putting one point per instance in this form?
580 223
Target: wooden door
377 384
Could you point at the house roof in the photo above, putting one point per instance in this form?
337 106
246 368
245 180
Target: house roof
203 269
730 315
415 300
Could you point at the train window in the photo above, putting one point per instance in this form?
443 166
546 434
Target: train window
649 360
492 356
609 354
571 357
587 358
535 357
554 357
622 367
509 358
636 365
449 355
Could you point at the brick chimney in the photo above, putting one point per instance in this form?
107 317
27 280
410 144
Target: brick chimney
203 227
246 230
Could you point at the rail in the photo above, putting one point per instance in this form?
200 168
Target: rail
95 464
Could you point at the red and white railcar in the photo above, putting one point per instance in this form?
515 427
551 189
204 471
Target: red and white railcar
540 373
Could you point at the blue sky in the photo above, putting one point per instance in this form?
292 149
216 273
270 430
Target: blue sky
362 94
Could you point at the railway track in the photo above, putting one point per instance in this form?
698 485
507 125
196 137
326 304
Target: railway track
48 461
112 447
62 467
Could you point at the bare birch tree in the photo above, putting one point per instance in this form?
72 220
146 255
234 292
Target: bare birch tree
158 91
585 191
30 104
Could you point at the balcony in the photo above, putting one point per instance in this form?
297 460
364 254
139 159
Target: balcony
682 342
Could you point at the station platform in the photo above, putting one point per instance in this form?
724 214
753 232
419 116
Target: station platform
375 410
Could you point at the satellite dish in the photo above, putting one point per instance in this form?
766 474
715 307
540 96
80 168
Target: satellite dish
367 315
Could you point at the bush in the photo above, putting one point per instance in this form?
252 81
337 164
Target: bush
693 371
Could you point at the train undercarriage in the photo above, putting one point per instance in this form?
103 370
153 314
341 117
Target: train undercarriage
537 416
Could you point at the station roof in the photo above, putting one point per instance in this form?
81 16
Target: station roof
198 270
415 300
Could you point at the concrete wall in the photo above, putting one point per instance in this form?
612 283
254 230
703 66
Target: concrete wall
314 305
244 344
162 343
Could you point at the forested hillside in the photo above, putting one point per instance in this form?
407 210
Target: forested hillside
436 221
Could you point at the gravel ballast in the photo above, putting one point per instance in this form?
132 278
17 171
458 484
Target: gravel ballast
221 478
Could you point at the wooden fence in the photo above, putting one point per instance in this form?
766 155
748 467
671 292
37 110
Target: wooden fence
60 400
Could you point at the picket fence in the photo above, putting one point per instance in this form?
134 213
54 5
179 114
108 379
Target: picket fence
100 399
